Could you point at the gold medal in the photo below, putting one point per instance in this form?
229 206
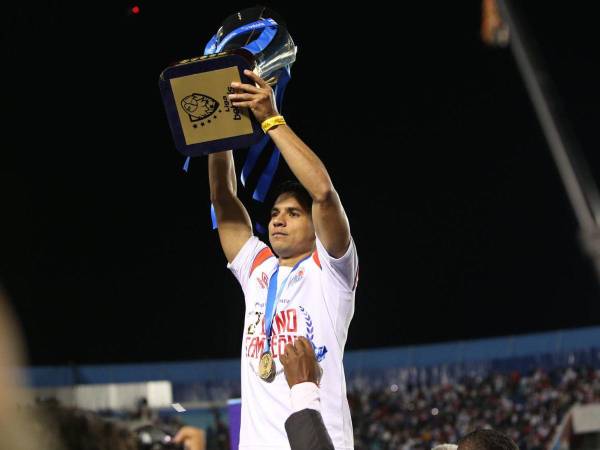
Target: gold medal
266 367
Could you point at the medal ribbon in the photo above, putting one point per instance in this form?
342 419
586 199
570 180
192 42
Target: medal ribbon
273 296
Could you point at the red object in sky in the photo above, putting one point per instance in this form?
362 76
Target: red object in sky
135 9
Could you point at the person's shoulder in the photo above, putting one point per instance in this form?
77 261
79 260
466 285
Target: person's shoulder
323 253
253 252
263 255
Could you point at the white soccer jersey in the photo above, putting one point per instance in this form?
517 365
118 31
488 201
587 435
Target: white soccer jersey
317 302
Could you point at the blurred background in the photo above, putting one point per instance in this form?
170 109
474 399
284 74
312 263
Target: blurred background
464 230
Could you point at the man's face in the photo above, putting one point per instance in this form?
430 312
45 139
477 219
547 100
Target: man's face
291 230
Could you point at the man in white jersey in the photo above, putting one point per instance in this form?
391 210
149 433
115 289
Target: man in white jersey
304 286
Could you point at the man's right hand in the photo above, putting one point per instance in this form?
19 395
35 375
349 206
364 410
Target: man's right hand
300 364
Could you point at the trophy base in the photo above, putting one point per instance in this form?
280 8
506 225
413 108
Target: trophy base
195 95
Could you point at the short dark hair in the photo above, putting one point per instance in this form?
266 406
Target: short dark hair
296 190
484 439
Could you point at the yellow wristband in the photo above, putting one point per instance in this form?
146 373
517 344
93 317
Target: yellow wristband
272 122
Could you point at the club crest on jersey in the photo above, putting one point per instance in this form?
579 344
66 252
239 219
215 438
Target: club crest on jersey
297 277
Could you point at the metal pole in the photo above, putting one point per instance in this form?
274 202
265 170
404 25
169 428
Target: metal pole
572 167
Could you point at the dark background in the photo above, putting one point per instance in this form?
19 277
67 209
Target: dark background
461 221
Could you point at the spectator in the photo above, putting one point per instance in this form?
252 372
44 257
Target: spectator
420 414
486 440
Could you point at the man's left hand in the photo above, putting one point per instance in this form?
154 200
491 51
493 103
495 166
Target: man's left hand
259 98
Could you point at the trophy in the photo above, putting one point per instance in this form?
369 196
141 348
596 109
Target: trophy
195 91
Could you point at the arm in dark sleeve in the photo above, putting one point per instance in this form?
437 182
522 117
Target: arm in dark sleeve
306 431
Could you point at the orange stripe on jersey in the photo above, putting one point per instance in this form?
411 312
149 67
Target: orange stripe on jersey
262 256
316 258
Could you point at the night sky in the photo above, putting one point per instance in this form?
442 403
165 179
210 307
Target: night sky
462 225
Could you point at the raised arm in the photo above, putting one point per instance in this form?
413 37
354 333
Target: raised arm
234 224
328 215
